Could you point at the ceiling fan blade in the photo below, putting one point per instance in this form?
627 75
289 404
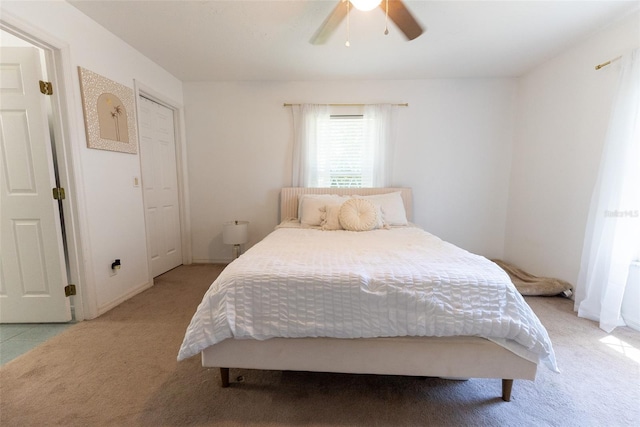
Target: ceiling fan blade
331 23
401 16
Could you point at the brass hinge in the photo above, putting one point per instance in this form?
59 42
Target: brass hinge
46 88
58 193
69 290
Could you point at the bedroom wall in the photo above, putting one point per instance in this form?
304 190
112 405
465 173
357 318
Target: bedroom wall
564 108
112 208
452 146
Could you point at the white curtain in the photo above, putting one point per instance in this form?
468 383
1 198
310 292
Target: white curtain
310 125
612 238
377 136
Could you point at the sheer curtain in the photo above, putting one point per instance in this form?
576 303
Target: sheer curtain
377 136
312 130
612 238
310 126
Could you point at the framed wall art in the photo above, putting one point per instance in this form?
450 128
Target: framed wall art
109 114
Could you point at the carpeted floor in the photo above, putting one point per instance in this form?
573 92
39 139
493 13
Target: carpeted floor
121 370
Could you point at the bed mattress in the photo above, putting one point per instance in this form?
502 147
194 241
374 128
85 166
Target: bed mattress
398 282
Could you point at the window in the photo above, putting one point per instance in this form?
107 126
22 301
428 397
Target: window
342 154
341 148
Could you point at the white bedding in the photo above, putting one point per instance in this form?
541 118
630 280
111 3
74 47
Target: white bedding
391 282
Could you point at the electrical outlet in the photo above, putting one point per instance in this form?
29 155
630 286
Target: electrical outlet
115 266
136 181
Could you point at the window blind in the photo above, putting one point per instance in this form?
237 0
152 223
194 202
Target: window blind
343 155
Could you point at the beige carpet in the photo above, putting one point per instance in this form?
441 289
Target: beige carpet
121 370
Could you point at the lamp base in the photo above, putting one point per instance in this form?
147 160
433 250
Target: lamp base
236 251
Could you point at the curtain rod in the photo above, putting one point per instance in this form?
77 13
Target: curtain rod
604 64
406 104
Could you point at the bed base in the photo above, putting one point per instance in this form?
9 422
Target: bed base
507 385
449 357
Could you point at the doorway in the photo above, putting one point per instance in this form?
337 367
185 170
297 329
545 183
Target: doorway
161 193
34 267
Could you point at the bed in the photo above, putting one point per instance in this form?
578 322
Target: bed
314 297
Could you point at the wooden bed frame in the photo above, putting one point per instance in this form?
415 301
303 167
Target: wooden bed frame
448 357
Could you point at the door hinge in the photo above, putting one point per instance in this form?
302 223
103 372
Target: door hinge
46 88
58 193
69 290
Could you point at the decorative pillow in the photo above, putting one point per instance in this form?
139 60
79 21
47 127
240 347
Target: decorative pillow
309 206
393 211
330 217
310 212
358 215
379 217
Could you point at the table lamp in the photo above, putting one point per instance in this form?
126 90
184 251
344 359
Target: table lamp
235 233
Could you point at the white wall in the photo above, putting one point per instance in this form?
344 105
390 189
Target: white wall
564 108
452 145
111 207
455 146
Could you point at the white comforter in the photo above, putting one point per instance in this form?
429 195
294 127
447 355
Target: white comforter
381 283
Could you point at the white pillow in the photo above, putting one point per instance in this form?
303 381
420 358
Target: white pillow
310 204
358 215
379 217
393 212
330 217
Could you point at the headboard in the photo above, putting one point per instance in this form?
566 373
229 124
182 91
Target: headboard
289 197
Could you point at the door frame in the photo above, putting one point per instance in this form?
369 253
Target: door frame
67 150
141 89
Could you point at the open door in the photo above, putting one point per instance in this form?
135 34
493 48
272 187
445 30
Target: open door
32 265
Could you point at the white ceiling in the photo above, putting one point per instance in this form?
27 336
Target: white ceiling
268 40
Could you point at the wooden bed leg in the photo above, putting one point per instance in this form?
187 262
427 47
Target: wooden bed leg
224 377
507 385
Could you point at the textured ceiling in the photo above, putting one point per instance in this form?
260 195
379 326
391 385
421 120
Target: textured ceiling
268 40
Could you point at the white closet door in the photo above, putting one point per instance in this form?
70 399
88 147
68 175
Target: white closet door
32 269
160 185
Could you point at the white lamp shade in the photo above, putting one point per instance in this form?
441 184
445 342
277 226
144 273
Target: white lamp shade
365 5
235 232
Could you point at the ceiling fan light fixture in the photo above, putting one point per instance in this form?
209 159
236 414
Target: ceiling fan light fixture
365 5
394 10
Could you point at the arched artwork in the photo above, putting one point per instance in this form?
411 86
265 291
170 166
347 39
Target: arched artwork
108 113
112 118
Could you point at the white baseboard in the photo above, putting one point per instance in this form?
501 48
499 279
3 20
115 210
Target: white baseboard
212 261
633 324
104 308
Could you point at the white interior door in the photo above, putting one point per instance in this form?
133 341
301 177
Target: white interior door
32 268
160 185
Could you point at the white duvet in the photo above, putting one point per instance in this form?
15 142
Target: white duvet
398 282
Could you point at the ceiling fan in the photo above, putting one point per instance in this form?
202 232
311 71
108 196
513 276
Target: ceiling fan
395 9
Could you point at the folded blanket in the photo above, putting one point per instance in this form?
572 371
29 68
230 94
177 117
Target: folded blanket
528 284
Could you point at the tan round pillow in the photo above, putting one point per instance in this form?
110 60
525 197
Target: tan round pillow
358 215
